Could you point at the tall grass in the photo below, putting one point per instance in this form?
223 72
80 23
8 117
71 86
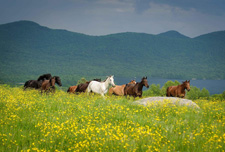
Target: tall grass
30 121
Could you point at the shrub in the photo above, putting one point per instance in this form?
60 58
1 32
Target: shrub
204 93
223 95
154 90
196 93
82 80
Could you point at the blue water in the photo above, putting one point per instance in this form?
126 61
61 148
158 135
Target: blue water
213 86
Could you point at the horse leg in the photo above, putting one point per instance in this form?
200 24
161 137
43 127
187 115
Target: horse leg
102 94
182 96
88 90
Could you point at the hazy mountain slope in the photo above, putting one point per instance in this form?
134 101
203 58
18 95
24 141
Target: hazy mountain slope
28 49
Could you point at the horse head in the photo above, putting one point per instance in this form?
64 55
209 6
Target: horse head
111 80
132 82
58 80
144 81
187 85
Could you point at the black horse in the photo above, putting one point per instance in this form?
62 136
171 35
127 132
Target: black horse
45 77
36 84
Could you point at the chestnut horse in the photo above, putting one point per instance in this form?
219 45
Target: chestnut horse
178 91
136 89
49 85
72 89
119 90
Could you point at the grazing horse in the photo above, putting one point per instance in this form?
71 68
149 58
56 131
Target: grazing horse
72 89
178 91
136 89
100 87
49 85
119 90
36 84
83 86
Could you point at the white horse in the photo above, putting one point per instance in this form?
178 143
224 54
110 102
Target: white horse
100 87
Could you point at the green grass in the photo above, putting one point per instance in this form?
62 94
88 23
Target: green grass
30 121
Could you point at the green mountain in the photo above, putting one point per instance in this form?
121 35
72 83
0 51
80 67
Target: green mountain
173 34
29 50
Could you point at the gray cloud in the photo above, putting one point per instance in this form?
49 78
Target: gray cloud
101 17
216 7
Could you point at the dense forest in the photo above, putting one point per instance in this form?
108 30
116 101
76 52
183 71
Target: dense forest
29 50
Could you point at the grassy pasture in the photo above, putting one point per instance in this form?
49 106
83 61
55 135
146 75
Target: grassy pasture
30 121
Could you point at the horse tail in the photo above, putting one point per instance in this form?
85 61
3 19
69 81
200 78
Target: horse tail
125 90
89 88
68 90
167 92
26 84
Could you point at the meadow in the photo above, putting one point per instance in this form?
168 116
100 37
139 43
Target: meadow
30 121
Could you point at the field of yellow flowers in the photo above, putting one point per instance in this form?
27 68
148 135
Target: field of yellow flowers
30 121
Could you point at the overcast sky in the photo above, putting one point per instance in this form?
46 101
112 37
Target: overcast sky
101 17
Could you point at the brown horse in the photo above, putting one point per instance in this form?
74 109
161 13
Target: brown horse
178 91
49 85
72 89
136 89
119 90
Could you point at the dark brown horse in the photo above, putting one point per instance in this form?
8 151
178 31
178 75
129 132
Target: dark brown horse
135 90
119 90
178 91
49 85
83 86
36 84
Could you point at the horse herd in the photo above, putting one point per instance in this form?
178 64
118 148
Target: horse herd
46 83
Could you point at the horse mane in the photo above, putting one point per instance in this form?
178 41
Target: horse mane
50 80
44 77
99 80
106 78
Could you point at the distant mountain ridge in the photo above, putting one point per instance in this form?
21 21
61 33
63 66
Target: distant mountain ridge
173 34
28 49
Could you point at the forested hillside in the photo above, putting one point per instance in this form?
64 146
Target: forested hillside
29 50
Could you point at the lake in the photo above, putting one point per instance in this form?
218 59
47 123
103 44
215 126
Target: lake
213 86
